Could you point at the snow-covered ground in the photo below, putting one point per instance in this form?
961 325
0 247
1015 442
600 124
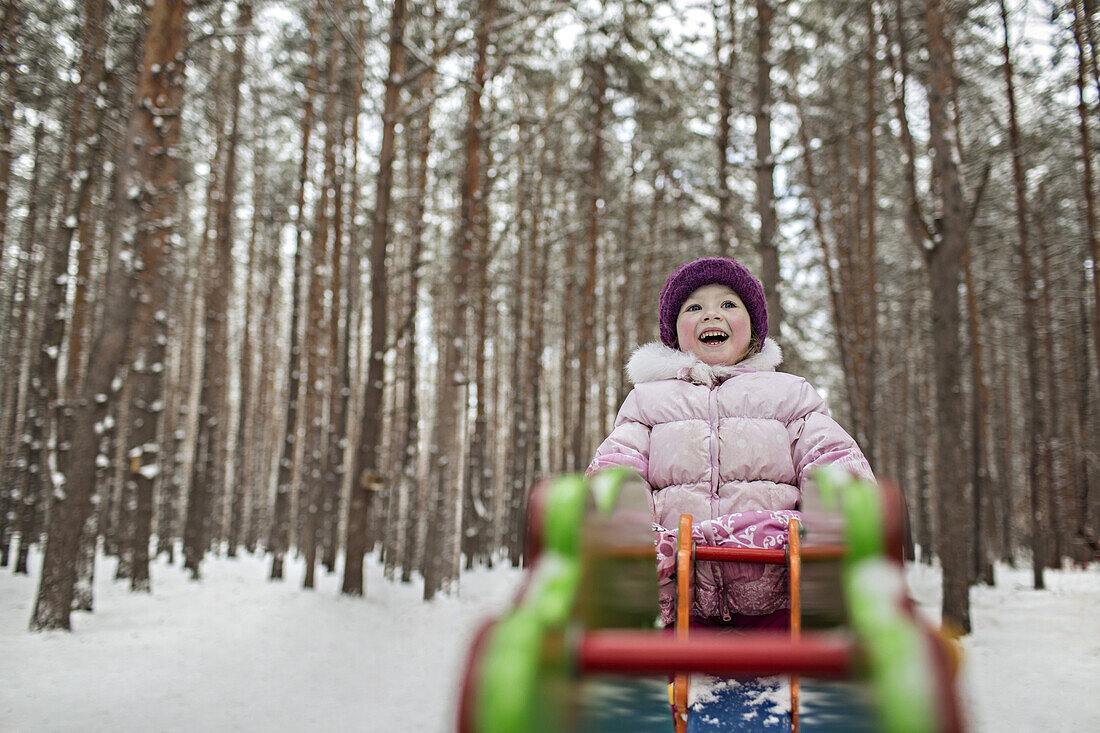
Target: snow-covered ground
235 652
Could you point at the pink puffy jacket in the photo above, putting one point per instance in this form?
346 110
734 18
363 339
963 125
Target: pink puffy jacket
732 446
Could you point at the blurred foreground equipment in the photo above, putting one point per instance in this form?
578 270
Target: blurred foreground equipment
581 649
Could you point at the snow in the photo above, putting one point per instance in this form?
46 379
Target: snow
236 652
1033 661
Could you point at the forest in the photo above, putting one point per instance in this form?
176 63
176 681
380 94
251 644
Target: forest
344 278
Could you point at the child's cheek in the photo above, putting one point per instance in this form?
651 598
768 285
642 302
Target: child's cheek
741 328
685 331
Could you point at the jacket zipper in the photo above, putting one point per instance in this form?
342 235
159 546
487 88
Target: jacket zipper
714 479
715 483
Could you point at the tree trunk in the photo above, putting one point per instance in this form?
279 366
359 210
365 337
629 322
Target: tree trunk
81 173
982 568
927 533
280 527
345 296
1054 442
440 552
156 176
237 489
868 288
401 514
766 245
10 25
1081 33
725 69
415 489
516 479
476 514
366 478
1003 452
185 393
13 279
67 515
944 260
166 31
582 450
318 356
30 408
262 408
1035 423
208 474
538 273
835 276
16 387
93 42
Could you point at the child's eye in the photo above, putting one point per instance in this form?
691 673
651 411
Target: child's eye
693 307
729 304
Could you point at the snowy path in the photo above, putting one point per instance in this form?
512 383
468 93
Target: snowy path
237 653
1033 661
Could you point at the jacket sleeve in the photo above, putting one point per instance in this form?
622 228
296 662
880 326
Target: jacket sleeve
820 441
628 444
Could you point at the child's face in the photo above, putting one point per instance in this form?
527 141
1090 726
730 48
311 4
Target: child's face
714 326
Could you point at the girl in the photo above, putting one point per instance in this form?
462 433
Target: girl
717 433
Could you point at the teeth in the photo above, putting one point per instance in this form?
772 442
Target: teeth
713 335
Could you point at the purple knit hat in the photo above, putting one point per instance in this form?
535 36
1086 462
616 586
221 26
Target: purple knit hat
690 276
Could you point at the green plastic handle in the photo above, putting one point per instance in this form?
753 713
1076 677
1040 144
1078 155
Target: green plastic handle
605 486
510 675
899 668
861 505
564 514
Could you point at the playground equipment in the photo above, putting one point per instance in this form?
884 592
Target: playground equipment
580 649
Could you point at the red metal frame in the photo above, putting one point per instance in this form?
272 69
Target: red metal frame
740 554
713 652
766 557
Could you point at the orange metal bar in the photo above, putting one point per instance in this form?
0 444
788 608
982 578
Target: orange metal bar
794 573
822 552
792 557
684 581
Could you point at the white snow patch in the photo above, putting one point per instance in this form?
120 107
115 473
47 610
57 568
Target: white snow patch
237 652
286 659
1033 658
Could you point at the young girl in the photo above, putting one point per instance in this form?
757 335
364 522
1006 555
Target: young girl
717 433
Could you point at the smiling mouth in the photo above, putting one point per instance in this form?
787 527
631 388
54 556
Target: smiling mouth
713 337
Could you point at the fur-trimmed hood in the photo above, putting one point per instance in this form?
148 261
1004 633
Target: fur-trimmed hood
654 361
